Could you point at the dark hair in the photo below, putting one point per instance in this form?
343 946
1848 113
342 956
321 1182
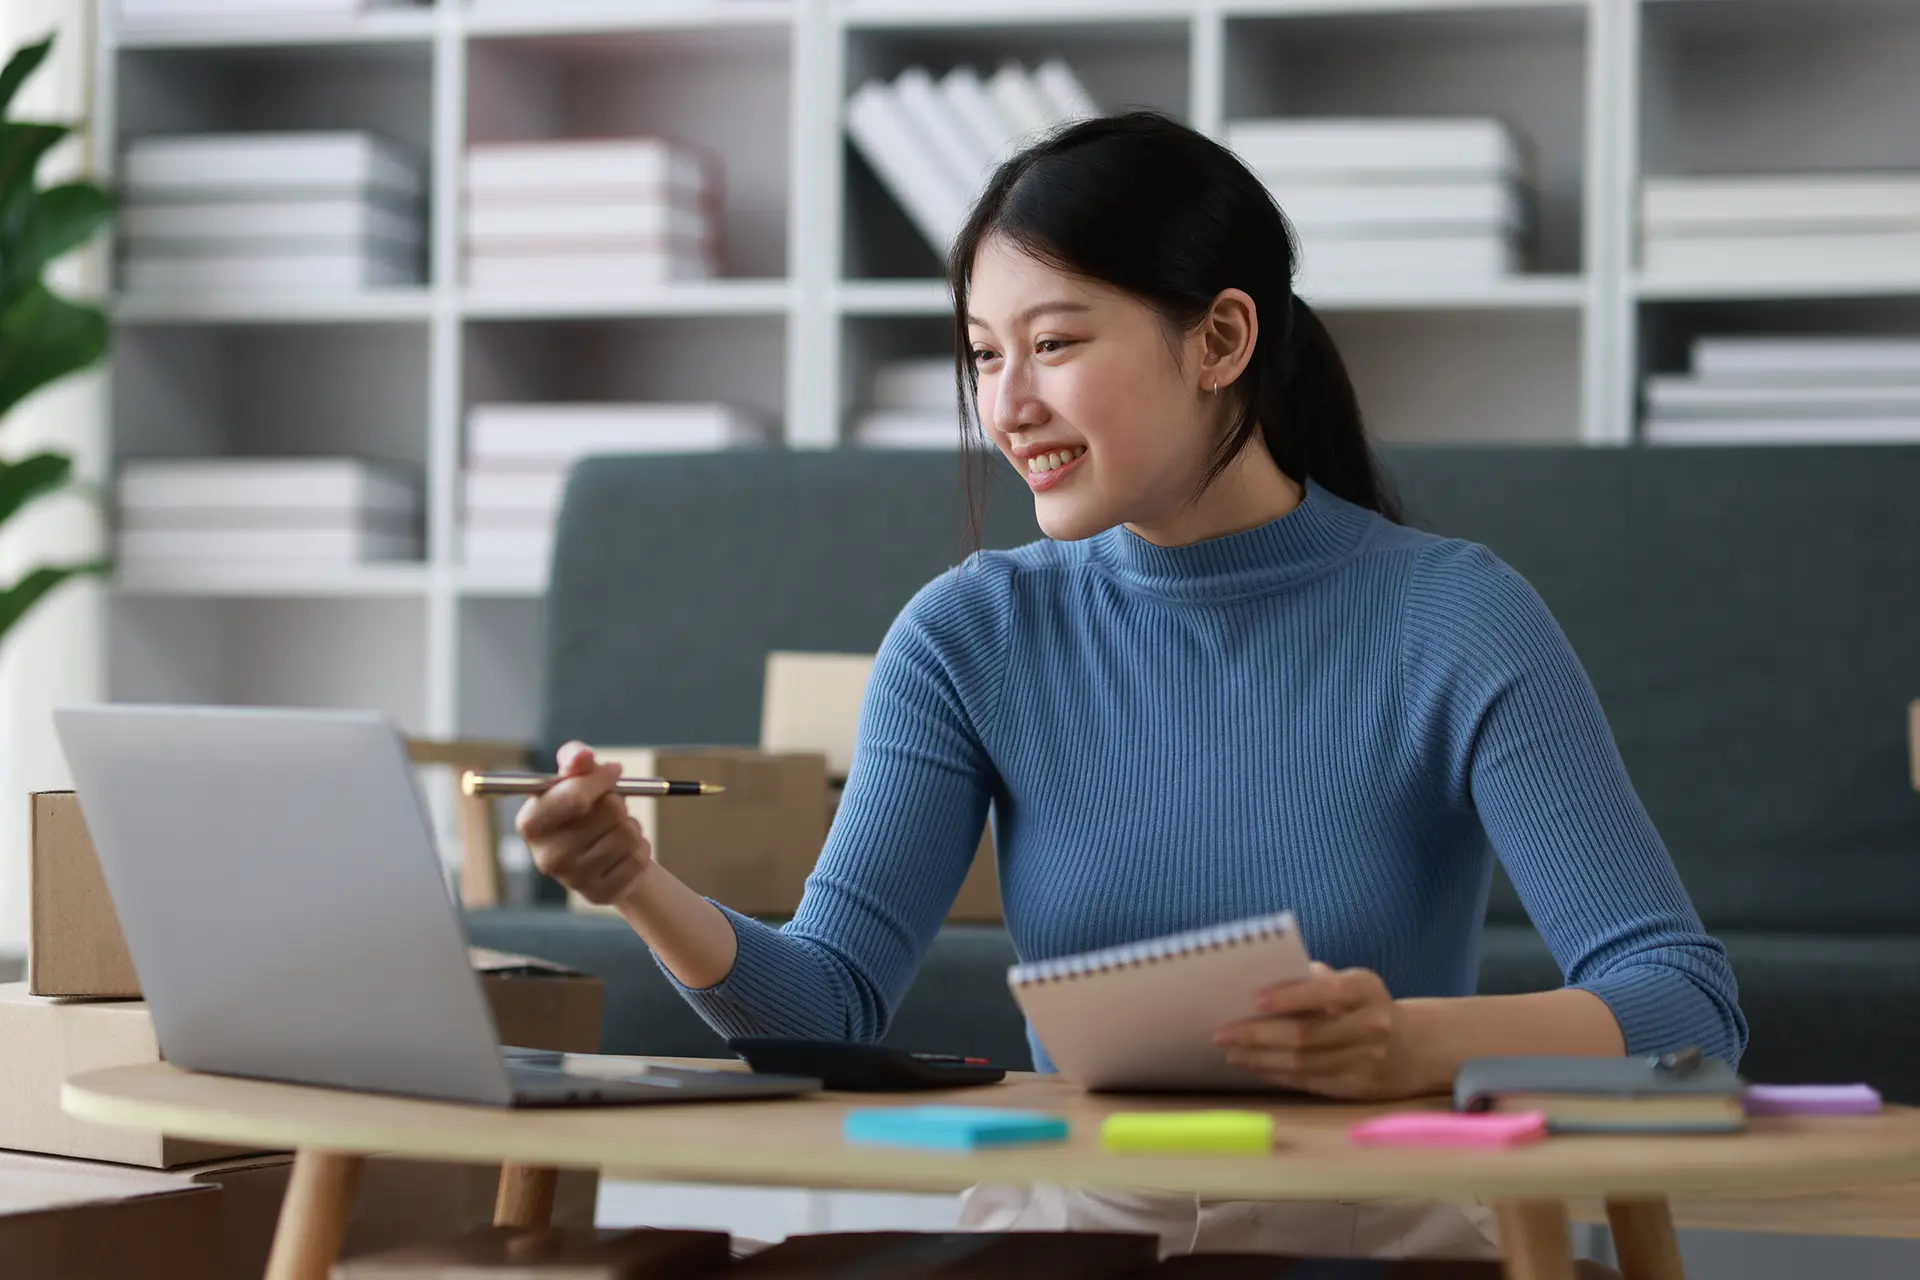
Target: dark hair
1146 205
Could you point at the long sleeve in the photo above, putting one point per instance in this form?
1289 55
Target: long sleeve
903 839
1509 722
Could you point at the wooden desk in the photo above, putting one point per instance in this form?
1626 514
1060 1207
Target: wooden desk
797 1143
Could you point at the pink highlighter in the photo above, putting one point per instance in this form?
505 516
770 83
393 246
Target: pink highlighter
1482 1130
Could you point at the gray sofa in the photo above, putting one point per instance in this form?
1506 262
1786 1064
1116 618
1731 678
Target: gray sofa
1750 617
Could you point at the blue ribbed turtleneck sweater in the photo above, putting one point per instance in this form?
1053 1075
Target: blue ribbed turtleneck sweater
1329 714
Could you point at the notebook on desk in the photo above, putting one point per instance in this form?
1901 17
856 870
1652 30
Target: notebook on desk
1142 1016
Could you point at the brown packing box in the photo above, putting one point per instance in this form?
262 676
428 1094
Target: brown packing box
398 1203
74 944
811 702
751 848
551 1255
63 1220
44 1040
905 1255
540 1005
76 948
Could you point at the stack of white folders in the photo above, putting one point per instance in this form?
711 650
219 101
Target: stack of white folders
585 214
291 212
253 512
915 406
518 456
1784 227
1142 1016
933 144
1790 390
1379 199
140 15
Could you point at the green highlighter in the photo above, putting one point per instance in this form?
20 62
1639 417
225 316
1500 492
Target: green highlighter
1192 1132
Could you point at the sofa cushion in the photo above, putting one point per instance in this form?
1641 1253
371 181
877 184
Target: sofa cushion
1819 1008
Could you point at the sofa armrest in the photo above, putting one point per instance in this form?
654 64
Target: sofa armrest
480 879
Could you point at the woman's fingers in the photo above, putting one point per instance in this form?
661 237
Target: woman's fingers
608 867
560 852
1311 1034
566 802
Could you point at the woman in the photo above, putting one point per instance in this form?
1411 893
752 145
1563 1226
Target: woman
1229 682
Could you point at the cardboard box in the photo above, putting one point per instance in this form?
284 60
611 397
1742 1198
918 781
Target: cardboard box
76 948
812 703
60 1220
540 1005
751 848
399 1203
551 1255
45 1039
74 944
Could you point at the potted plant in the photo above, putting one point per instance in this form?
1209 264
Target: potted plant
43 337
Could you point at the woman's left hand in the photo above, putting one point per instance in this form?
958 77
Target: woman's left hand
1334 1033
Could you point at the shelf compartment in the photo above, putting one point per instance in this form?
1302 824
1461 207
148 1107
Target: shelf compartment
281 652
1526 65
712 88
1481 377
1127 61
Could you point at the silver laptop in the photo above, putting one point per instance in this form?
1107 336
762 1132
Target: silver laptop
275 874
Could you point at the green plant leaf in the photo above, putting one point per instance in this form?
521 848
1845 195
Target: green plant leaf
21 147
62 218
24 594
29 478
22 64
44 337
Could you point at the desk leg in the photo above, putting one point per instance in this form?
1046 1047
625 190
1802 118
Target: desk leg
313 1217
1533 1238
1644 1240
526 1196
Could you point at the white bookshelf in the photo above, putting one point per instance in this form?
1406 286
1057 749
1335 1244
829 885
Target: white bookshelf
825 276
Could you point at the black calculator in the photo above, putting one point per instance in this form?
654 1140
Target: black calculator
863 1068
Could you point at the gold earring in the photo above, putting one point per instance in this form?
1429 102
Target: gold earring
1216 386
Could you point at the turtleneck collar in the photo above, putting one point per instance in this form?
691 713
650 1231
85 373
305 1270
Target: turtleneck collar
1315 536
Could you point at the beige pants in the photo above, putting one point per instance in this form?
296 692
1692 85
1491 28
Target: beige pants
1189 1224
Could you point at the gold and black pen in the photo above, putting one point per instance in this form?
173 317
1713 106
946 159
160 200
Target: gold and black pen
530 784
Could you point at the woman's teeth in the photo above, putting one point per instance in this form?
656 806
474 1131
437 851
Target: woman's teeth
1049 461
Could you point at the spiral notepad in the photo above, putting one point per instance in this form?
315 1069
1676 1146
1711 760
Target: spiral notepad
1142 1016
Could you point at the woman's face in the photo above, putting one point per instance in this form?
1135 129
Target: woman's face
1083 392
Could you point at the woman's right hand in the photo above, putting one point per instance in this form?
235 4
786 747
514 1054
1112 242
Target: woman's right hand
580 831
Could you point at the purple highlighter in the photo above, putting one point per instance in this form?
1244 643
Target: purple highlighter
1812 1100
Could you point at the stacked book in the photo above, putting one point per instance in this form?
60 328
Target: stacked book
1393 198
518 456
933 144
271 211
589 213
234 512
1790 390
1800 226
138 14
914 407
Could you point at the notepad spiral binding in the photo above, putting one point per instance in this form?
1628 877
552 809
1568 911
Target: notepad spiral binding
1136 954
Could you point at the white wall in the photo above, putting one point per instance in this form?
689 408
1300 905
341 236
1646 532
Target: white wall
55 655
